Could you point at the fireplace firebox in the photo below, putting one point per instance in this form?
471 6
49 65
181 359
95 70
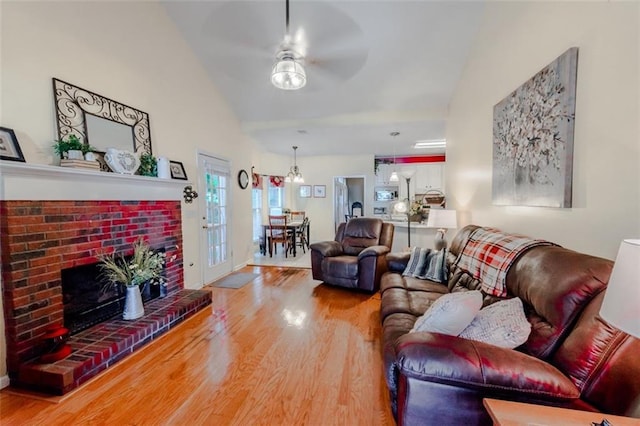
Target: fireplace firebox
89 299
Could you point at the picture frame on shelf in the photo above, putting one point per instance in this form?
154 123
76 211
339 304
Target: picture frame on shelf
9 147
177 170
319 191
305 191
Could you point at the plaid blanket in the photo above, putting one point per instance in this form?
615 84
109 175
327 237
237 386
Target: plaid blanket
488 255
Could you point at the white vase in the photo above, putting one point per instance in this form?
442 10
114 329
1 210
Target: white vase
164 171
133 307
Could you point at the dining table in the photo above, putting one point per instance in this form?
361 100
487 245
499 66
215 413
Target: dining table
293 226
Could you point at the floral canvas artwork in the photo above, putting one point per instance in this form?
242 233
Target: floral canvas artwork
533 138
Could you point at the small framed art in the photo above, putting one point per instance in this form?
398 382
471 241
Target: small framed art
305 191
177 170
319 191
9 147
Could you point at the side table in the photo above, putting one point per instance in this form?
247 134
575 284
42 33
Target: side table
509 413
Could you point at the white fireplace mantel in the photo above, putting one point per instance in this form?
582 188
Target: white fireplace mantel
21 181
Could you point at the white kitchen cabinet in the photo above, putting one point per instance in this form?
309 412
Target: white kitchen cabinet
428 177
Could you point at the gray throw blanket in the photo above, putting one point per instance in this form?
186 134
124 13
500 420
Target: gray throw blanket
427 264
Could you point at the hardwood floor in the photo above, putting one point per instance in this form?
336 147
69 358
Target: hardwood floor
282 350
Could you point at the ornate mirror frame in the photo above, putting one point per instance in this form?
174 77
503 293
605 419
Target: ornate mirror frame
73 103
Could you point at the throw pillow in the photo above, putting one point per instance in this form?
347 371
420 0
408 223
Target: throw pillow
427 264
450 314
501 324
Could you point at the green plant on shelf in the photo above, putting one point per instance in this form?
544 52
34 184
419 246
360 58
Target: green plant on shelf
72 142
148 165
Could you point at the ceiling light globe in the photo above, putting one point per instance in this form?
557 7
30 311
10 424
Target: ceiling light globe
288 74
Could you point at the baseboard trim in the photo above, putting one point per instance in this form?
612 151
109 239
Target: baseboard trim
4 382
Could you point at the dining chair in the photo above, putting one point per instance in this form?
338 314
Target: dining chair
278 234
300 238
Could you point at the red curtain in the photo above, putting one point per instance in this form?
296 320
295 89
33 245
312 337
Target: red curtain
257 181
276 181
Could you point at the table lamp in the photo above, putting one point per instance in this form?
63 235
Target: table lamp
443 220
622 297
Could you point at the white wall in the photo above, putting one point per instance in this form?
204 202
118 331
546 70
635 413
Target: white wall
129 52
321 170
515 41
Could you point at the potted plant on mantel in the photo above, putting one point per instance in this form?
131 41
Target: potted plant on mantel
143 268
72 148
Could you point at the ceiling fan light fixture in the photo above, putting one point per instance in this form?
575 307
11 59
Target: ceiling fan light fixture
288 74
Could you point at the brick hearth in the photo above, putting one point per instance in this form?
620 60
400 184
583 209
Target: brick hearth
40 238
103 345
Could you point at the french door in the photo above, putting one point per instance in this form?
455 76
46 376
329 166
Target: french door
214 209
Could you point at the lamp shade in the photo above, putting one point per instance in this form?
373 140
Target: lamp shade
442 219
620 307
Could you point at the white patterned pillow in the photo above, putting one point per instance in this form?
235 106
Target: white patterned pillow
501 324
450 314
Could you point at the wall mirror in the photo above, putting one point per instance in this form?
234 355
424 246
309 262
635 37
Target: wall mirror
100 121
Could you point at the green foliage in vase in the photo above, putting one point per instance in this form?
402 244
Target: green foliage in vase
148 165
144 266
71 143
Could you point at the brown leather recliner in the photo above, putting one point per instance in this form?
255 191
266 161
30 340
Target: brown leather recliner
357 257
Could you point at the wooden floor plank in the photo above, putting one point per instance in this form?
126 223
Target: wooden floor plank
282 350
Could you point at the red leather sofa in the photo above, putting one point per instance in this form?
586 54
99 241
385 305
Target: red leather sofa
572 358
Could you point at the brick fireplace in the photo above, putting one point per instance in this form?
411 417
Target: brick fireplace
41 237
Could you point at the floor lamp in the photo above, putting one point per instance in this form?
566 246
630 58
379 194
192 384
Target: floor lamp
407 175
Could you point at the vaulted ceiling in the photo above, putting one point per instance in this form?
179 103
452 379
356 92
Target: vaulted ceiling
373 67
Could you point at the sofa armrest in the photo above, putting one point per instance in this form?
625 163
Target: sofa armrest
373 251
478 366
327 248
398 261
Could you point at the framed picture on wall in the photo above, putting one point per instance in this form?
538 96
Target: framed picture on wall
305 191
9 148
319 191
177 170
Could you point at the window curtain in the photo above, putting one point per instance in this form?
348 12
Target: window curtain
277 181
257 181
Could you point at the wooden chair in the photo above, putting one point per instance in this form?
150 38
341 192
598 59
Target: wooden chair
278 234
301 235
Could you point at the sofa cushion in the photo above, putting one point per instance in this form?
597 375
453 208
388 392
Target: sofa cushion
428 264
450 314
393 280
502 324
398 300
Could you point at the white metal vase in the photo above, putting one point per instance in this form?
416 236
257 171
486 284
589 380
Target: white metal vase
133 307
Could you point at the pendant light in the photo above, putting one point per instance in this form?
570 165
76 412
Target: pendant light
394 175
288 73
294 174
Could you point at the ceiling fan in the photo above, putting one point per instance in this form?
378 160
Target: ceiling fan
321 43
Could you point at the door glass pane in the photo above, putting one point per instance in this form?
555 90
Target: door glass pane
216 213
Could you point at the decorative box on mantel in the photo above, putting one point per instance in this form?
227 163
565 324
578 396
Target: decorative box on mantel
54 218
